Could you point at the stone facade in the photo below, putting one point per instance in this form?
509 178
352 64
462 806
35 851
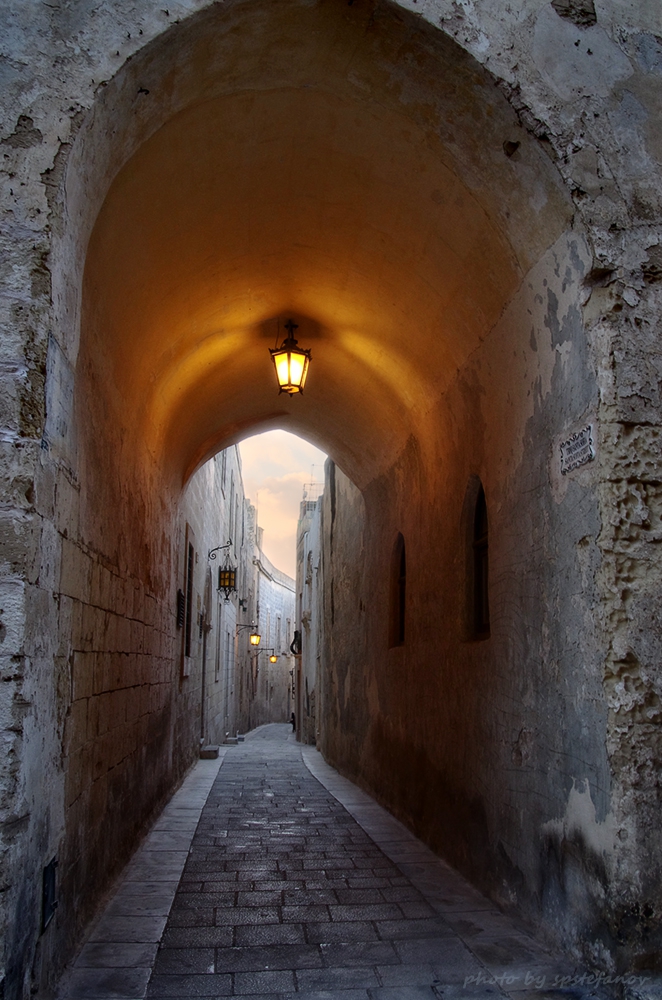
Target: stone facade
266 694
459 203
222 659
140 704
310 622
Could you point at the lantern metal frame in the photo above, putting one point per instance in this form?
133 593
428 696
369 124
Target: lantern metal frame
227 579
254 637
290 346
227 573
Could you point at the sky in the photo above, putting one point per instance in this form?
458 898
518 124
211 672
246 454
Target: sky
275 467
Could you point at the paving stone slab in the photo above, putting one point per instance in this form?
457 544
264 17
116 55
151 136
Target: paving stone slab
355 977
107 983
263 982
183 961
327 995
261 958
197 937
111 955
270 934
373 953
404 974
136 905
176 987
129 929
405 993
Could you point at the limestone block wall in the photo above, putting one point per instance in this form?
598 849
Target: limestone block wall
215 511
137 708
527 757
311 712
129 711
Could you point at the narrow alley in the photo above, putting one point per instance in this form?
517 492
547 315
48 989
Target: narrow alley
298 884
424 237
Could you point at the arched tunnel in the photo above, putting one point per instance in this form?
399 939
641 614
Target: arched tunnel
351 167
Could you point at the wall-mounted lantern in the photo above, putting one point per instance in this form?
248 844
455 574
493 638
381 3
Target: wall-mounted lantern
254 637
291 362
227 573
227 579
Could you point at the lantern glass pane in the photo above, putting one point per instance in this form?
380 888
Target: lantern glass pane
282 369
297 365
227 579
291 368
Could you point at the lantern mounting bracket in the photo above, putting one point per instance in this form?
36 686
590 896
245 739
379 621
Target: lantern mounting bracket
212 552
254 637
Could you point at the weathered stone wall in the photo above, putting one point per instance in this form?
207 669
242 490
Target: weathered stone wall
134 711
89 522
310 621
131 709
529 758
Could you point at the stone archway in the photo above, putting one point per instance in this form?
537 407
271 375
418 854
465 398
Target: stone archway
363 188
356 169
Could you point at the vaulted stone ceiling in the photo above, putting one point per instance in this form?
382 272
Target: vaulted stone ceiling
343 166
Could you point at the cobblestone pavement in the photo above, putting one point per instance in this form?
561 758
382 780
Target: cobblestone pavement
284 894
298 885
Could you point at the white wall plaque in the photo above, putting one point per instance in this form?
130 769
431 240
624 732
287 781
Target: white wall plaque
577 450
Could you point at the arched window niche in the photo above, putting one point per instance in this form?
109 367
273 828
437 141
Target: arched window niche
398 595
475 534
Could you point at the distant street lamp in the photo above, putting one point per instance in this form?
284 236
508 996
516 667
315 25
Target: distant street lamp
254 637
291 362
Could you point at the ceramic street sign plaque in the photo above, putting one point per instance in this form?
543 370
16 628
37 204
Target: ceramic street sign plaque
577 450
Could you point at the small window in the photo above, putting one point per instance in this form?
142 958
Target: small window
188 608
186 604
481 603
398 593
475 535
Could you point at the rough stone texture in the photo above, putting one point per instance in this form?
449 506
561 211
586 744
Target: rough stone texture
131 719
560 706
518 295
285 894
310 711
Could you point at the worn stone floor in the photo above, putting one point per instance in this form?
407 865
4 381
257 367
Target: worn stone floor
294 883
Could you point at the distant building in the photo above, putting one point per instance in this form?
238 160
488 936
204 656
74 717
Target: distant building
240 687
309 618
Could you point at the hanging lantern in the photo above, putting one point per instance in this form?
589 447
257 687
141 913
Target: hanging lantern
273 658
227 579
291 362
254 638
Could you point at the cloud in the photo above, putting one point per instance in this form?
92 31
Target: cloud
276 466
